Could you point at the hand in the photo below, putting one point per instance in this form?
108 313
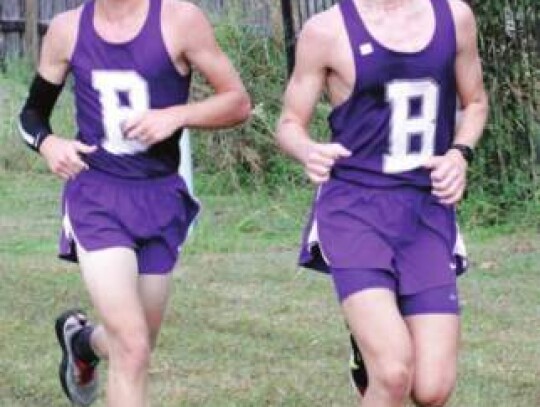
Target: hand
64 156
448 176
320 159
152 126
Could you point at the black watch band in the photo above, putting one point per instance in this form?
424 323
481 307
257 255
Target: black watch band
466 151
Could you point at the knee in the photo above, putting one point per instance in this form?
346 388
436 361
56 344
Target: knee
132 352
433 393
394 379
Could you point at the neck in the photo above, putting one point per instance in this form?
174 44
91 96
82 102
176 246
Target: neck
382 4
119 9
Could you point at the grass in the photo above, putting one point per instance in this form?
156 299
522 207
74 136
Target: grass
245 327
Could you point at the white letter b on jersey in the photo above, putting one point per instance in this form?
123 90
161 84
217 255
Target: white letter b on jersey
110 85
400 94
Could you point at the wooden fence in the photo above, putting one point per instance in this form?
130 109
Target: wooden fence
16 15
13 17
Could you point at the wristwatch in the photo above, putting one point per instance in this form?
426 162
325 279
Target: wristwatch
466 151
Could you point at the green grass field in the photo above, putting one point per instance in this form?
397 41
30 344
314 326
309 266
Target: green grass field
245 326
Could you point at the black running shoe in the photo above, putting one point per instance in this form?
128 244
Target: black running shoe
359 377
79 379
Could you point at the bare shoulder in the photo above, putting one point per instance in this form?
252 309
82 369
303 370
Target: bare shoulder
59 44
184 15
62 31
186 30
322 29
463 15
65 23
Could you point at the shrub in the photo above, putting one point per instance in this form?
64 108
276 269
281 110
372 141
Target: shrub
506 173
504 181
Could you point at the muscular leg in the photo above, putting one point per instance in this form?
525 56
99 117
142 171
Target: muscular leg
154 291
435 340
386 346
111 277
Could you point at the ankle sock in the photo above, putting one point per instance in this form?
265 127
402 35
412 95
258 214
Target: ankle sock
82 348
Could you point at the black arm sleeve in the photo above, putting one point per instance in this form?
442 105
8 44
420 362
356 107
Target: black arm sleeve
34 124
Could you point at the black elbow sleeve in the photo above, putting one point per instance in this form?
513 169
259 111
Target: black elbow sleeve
34 119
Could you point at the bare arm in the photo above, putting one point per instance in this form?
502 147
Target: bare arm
449 172
190 41
469 78
303 92
230 105
57 47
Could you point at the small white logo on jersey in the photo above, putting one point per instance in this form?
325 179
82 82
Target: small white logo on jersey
366 49
453 266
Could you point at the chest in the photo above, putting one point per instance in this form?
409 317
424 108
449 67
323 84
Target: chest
405 30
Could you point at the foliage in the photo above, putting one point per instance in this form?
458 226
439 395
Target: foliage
505 177
246 156
504 180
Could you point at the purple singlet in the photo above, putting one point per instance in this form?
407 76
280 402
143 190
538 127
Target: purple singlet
116 81
402 109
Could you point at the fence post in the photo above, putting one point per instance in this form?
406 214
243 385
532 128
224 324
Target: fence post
2 47
31 36
288 30
276 21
